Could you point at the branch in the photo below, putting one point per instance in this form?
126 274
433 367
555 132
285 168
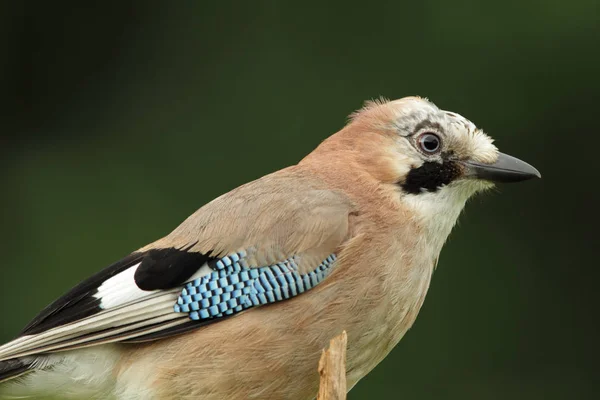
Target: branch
332 369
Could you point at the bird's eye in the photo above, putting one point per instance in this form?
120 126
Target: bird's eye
429 143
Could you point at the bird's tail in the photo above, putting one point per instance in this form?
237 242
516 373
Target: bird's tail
11 369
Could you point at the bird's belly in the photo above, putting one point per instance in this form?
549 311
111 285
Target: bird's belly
273 351
384 325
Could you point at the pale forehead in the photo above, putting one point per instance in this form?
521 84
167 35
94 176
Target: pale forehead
414 110
457 119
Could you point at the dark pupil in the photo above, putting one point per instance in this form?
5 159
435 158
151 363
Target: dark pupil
430 143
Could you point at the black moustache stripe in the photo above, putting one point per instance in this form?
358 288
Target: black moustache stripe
431 176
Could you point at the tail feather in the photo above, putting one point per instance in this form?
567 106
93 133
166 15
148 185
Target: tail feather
81 374
11 369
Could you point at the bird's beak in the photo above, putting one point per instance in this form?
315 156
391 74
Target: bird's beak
505 169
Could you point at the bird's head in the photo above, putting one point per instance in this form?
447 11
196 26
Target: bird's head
432 149
432 160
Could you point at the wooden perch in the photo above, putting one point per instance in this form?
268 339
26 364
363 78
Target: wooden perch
332 369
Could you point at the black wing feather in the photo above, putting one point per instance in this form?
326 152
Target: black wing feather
159 269
163 269
78 302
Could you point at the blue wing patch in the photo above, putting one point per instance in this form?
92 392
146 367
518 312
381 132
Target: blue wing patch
233 287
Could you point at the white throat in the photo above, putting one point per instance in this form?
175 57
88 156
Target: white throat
438 211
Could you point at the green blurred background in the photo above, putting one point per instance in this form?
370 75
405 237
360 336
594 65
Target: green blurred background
120 119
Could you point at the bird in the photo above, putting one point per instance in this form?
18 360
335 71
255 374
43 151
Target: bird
238 301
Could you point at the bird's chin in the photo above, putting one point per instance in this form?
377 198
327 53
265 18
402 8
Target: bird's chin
479 185
471 187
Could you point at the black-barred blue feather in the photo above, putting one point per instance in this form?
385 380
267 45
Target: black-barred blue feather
233 287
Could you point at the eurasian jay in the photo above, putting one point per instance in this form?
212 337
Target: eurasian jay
240 299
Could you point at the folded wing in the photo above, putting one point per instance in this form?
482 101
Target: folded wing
267 241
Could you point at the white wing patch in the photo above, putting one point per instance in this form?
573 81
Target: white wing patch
122 289
126 310
119 289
